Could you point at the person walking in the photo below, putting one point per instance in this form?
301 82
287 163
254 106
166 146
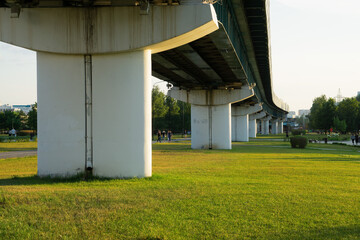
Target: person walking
356 138
352 138
169 135
159 136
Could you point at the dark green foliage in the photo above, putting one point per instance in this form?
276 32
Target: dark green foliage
349 110
339 125
298 142
296 132
10 119
168 113
324 111
32 118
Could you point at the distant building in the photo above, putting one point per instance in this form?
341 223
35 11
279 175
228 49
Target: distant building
16 108
304 112
291 114
24 108
5 107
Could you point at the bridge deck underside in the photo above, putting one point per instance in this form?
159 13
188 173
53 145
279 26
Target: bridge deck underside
207 63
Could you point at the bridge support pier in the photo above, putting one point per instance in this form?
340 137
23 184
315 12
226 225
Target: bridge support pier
95 115
240 121
211 115
274 126
281 126
253 126
265 125
210 127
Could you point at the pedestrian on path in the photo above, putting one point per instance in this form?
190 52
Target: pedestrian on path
159 136
352 138
169 135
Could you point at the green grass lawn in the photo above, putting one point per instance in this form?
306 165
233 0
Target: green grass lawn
258 190
18 146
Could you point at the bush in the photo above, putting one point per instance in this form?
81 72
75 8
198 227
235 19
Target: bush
297 132
298 141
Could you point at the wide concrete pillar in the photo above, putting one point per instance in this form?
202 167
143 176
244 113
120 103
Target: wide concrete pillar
274 126
95 112
240 124
262 126
266 127
281 127
240 128
122 114
211 114
252 128
211 127
61 114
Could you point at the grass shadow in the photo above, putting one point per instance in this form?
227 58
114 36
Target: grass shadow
36 180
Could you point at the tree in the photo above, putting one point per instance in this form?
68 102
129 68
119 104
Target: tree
322 113
327 114
348 110
159 109
32 118
10 119
339 125
172 116
185 115
315 112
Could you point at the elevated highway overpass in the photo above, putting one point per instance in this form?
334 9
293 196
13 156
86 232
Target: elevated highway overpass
95 59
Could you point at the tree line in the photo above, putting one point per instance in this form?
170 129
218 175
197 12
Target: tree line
168 113
326 114
10 119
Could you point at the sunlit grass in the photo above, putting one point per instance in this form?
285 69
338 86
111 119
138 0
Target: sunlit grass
17 146
257 190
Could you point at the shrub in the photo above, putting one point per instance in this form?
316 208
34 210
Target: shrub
298 141
297 132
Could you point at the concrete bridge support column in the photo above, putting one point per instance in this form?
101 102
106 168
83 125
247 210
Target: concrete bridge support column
274 126
252 128
266 127
240 124
281 127
210 127
85 118
240 128
211 115
262 126
254 123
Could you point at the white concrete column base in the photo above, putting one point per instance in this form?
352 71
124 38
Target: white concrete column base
274 127
240 128
252 128
266 127
281 127
211 127
61 114
121 114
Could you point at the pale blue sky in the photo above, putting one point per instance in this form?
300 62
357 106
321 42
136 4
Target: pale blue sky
315 50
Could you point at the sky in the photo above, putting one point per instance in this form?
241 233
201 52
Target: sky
315 48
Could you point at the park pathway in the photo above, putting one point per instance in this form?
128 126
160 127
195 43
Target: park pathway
18 154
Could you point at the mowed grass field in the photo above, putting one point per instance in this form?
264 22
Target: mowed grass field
257 190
